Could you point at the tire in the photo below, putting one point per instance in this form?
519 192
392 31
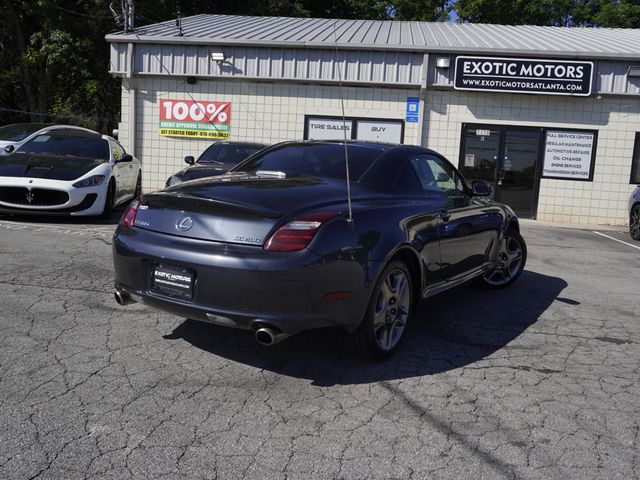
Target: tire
108 201
511 261
634 222
138 191
382 328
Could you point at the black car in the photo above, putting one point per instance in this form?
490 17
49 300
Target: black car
272 247
215 160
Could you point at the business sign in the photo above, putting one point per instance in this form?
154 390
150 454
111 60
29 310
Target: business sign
186 118
569 155
521 75
389 131
413 109
328 128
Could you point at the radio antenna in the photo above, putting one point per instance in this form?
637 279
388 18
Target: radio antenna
344 126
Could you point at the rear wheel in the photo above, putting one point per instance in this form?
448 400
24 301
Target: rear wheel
511 260
108 201
385 321
634 223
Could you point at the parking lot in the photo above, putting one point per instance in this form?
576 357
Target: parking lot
536 381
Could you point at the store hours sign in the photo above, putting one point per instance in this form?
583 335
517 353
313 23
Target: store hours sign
569 155
187 118
522 75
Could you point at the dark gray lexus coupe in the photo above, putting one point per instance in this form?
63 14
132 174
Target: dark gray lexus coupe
271 247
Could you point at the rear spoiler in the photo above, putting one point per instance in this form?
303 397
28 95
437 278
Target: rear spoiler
173 201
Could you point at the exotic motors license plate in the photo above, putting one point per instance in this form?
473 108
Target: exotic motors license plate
173 281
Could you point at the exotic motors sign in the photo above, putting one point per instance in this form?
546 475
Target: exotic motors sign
186 118
521 75
568 155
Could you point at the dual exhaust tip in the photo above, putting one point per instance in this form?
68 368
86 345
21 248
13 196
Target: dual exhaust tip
265 336
268 336
123 298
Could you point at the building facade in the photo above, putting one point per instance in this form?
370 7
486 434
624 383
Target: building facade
548 115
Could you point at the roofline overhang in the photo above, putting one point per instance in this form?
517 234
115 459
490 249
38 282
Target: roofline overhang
509 52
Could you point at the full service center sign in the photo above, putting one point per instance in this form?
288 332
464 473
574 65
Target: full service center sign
522 75
568 155
186 118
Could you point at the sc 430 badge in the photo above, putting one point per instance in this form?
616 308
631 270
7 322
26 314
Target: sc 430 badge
240 239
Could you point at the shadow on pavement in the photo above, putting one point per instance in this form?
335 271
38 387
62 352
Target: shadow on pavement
448 331
116 213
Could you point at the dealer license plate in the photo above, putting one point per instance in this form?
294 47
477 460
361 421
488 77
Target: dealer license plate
173 281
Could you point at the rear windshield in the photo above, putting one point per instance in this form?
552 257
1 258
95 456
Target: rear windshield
227 153
15 133
91 146
321 160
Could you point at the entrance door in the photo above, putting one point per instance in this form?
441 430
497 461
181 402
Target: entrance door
507 158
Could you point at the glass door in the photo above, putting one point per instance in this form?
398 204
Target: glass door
480 153
507 158
517 176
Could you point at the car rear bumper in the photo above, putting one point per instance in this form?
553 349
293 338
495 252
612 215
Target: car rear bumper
243 286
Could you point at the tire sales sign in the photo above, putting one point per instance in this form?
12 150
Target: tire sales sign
186 118
523 75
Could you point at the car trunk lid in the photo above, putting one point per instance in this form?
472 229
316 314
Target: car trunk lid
238 207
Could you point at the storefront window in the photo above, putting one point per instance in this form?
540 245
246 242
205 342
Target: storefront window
635 162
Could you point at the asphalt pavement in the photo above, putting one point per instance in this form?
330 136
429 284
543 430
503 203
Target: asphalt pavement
538 381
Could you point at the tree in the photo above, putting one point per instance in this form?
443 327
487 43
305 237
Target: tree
599 13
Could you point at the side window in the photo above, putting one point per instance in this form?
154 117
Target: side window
116 150
437 175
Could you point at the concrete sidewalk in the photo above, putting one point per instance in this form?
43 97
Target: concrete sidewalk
574 226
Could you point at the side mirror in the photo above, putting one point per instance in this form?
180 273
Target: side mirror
9 148
480 188
125 158
189 160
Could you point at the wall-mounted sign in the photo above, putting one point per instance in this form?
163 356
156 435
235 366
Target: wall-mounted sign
186 118
521 75
322 128
569 155
367 129
388 131
413 109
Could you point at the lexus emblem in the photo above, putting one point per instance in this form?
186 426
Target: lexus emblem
29 197
184 223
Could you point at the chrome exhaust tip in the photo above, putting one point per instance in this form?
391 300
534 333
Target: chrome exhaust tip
267 336
123 298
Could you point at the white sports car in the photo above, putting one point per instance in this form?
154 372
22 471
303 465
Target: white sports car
14 135
68 172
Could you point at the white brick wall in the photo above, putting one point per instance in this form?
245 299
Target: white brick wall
273 112
264 112
617 119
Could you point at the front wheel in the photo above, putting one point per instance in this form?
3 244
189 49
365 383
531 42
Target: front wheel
510 263
634 223
138 191
108 201
385 321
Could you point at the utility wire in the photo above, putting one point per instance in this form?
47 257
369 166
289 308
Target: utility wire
99 17
42 114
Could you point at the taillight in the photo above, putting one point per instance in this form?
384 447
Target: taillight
129 215
298 233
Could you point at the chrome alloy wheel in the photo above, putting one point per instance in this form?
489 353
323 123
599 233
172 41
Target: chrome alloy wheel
391 310
509 262
634 223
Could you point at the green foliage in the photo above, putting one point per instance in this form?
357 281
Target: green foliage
599 13
54 59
